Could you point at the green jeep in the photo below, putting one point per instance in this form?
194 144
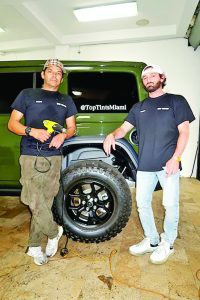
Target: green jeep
94 200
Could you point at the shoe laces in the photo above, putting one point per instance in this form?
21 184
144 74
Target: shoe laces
41 258
163 246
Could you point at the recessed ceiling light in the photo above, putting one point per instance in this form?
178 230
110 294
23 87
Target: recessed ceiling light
78 68
103 12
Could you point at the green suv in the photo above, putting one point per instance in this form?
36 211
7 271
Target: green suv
94 200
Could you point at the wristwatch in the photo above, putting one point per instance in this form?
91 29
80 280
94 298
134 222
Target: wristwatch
28 130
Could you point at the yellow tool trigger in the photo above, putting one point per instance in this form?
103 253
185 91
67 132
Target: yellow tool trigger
53 126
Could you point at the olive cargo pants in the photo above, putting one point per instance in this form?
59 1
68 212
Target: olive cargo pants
38 192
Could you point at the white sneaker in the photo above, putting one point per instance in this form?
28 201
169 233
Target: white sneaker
143 247
40 258
161 254
52 245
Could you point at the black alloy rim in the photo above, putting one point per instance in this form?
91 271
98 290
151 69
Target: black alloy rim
89 203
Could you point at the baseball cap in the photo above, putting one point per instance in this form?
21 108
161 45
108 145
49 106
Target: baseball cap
152 69
54 62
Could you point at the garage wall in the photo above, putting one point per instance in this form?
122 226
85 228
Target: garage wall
181 65
180 62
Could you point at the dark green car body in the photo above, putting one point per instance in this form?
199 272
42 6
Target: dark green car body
103 93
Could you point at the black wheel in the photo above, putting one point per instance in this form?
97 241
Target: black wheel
94 203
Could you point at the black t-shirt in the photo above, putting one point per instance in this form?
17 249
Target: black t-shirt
38 105
156 121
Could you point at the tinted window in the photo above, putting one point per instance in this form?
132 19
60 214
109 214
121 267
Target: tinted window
39 80
107 92
11 85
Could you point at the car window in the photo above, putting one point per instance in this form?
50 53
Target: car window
11 85
103 92
39 80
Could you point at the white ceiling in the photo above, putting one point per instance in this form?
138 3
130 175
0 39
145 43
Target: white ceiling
40 24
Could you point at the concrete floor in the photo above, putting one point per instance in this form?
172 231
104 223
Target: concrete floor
102 271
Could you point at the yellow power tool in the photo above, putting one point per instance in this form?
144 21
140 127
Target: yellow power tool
54 127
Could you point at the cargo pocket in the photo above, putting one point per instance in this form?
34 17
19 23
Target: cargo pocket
26 163
25 194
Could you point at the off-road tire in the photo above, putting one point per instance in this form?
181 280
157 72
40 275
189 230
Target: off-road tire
93 203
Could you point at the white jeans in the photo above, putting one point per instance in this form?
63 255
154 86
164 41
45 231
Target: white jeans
146 183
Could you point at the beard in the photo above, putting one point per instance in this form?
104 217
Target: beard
152 87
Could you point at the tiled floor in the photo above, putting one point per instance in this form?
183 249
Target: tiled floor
103 271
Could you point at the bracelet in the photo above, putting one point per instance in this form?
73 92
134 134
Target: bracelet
177 158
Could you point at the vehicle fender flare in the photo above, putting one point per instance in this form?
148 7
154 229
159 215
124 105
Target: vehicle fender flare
122 146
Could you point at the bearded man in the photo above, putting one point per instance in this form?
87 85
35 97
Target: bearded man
162 123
